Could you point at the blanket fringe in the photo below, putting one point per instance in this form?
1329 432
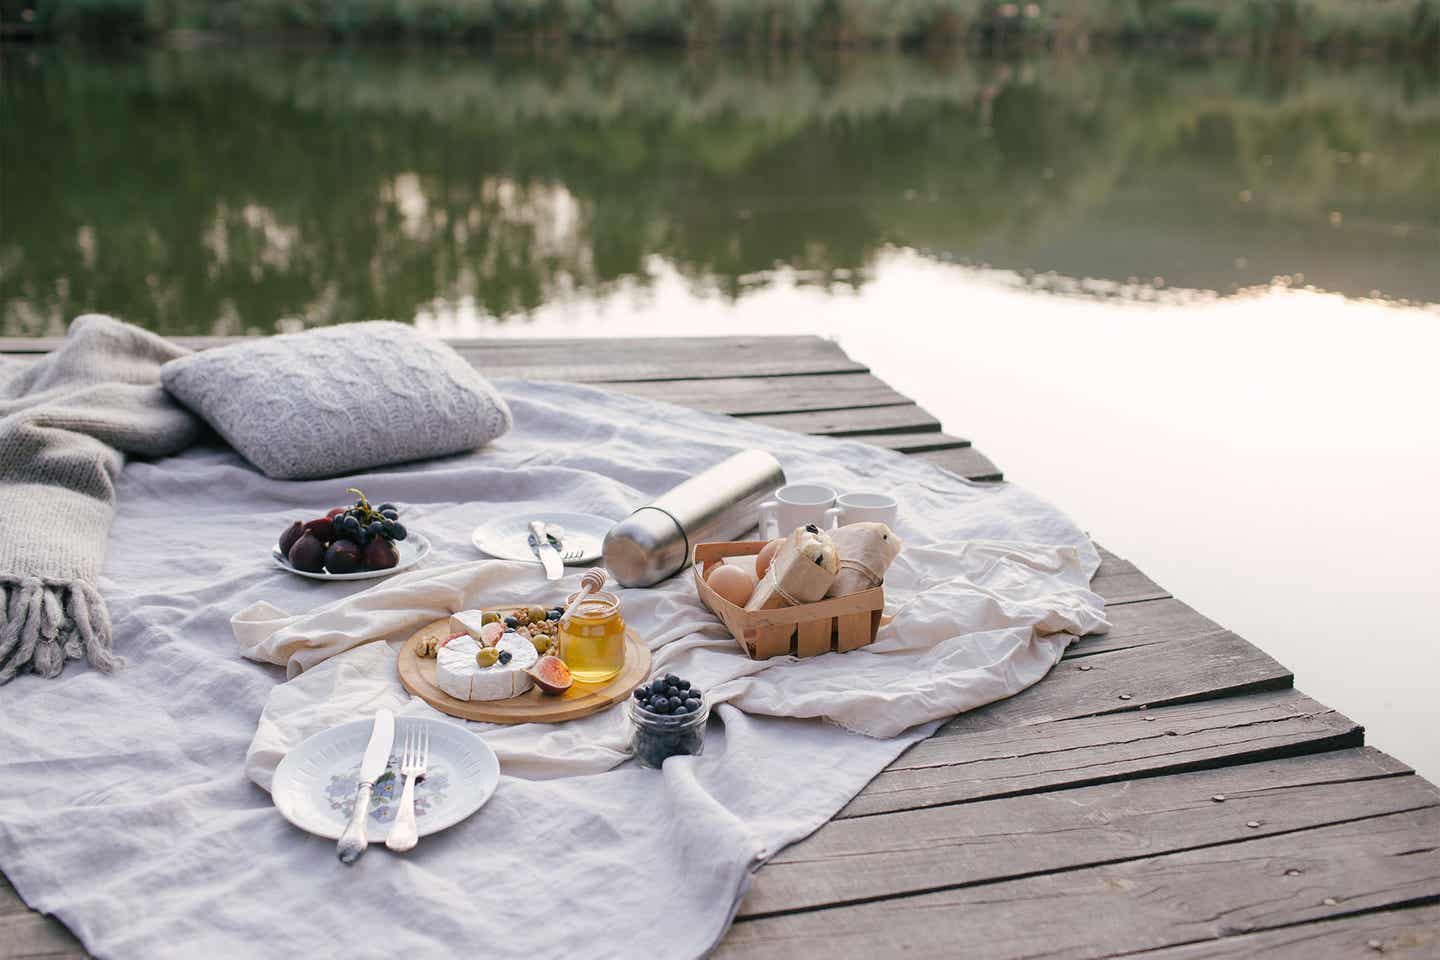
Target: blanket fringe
44 624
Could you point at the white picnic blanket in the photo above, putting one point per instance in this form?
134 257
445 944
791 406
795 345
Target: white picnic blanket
126 801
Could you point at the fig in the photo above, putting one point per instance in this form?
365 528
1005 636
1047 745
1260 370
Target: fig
335 513
291 534
307 554
551 675
381 554
344 556
322 528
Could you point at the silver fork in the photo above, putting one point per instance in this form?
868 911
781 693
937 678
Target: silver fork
556 534
413 762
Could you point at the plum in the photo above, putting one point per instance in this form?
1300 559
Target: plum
344 556
307 554
381 554
291 534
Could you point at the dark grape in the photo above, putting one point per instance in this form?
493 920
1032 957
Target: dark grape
375 528
397 531
385 506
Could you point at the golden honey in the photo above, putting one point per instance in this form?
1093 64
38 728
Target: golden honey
592 641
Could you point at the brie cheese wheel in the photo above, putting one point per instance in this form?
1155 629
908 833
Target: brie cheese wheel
467 621
457 673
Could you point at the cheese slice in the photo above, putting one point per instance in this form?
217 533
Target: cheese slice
459 675
467 621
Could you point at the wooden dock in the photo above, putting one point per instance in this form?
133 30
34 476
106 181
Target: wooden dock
1165 791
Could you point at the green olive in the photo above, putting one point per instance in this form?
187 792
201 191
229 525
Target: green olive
542 644
489 616
487 656
537 614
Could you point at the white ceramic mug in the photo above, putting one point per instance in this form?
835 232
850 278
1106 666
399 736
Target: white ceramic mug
795 505
861 507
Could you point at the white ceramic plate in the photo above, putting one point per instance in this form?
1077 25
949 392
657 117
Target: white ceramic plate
413 549
509 537
314 786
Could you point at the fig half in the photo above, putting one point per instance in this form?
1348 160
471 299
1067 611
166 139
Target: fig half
551 675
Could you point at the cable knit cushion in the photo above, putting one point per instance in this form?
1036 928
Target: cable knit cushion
339 399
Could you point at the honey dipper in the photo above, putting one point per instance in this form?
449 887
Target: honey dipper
592 582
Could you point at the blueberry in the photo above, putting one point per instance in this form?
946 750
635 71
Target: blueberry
553 614
657 687
671 679
683 684
671 690
511 622
505 657
696 693
660 705
640 694
691 705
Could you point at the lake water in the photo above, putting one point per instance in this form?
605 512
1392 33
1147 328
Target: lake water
1195 304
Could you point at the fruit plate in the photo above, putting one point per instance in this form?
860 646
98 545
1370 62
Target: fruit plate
314 785
412 549
508 538
582 699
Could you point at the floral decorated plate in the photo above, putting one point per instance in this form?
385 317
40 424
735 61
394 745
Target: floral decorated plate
314 786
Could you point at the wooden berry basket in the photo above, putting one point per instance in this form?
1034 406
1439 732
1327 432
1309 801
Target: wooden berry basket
839 624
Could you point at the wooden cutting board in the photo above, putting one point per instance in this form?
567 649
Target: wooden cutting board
582 699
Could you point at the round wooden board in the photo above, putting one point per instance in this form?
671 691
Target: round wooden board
582 699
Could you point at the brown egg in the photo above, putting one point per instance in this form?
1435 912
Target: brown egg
733 583
762 562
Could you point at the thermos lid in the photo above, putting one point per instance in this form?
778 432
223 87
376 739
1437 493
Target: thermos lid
645 548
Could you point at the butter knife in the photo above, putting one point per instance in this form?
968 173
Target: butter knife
545 550
354 841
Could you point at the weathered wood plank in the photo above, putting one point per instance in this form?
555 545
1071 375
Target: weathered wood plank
966 462
1145 622
32 936
1407 934
908 418
744 396
911 442
1159 674
1049 756
609 359
863 858
1120 581
1221 891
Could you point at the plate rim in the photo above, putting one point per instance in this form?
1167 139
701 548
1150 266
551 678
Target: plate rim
426 827
588 558
422 543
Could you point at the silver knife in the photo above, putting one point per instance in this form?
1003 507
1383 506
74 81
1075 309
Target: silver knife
354 841
546 551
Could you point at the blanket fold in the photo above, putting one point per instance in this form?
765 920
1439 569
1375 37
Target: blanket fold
67 422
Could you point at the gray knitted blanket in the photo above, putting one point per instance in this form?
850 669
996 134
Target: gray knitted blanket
67 422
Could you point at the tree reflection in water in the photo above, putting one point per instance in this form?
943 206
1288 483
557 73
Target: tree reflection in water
229 191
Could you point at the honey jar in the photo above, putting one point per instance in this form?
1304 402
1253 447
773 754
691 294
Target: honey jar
592 641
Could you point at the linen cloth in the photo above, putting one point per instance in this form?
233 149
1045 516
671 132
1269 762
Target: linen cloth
67 421
148 839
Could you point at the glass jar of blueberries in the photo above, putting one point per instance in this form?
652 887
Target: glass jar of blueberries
668 718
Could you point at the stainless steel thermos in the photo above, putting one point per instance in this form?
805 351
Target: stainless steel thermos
719 504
